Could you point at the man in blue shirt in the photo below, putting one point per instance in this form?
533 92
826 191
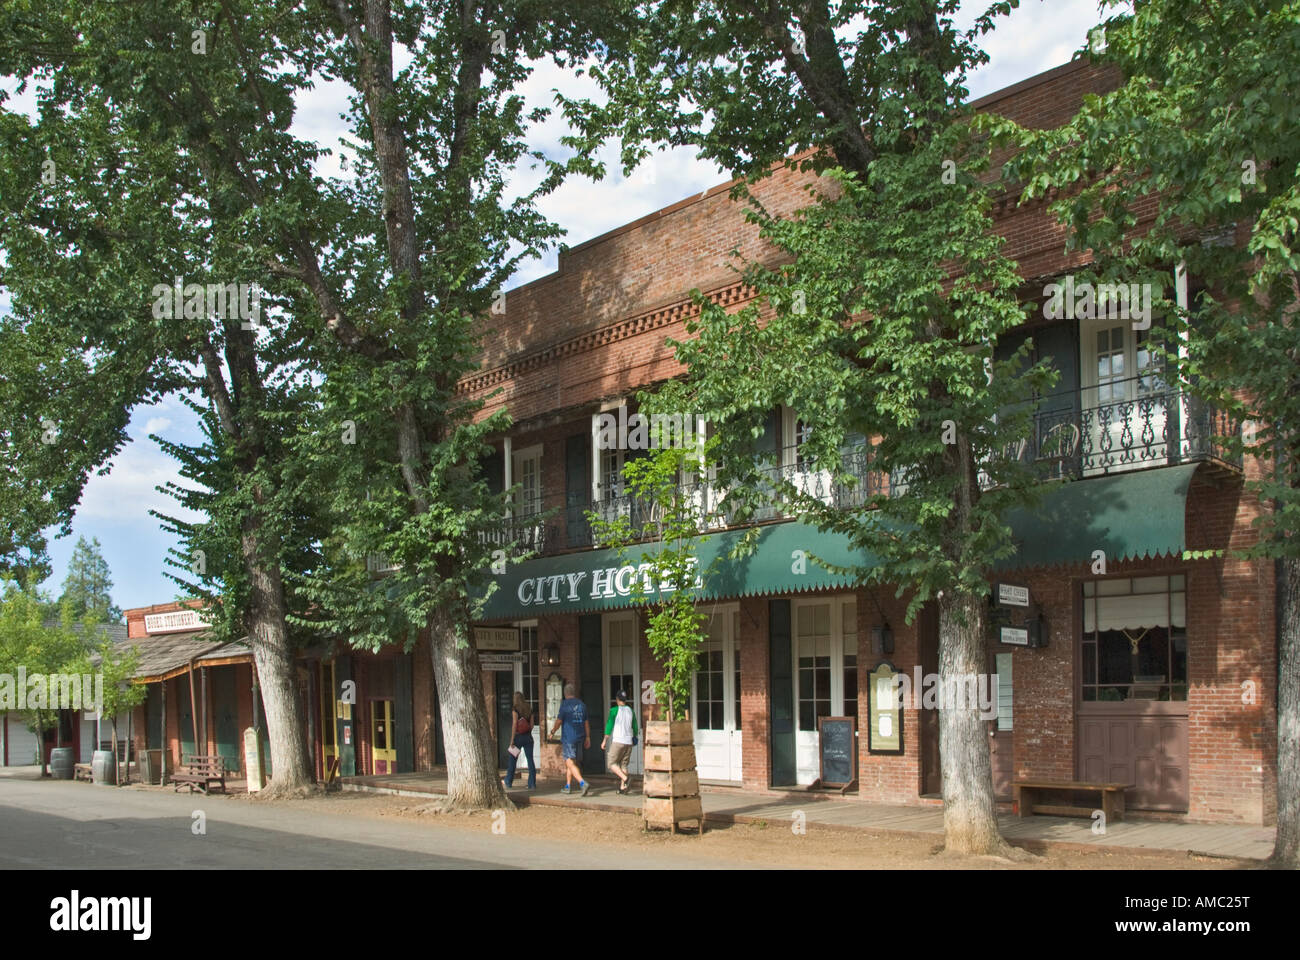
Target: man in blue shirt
576 737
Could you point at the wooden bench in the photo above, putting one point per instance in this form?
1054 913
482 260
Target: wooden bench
82 771
203 772
1028 793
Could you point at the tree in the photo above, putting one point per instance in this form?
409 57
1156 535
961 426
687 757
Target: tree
1208 141
877 314
118 665
27 642
104 203
676 520
386 272
87 584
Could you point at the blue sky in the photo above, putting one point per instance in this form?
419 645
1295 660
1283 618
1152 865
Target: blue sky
115 507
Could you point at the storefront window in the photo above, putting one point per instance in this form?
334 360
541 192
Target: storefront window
1134 639
814 628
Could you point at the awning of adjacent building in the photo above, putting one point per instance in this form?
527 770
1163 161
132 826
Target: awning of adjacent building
1127 516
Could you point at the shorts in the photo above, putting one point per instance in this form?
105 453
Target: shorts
572 750
617 754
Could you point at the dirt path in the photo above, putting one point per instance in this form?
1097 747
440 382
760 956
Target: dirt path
756 845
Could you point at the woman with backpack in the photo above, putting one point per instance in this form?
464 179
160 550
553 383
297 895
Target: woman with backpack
521 718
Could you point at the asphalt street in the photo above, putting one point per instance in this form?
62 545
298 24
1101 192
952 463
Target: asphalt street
59 824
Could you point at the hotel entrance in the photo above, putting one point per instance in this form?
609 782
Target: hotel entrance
715 699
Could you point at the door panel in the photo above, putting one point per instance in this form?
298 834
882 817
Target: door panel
226 723
1147 750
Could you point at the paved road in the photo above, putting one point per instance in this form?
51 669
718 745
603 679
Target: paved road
67 825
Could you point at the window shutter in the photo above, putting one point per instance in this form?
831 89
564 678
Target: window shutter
577 489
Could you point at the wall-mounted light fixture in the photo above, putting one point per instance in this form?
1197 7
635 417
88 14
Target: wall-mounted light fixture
882 639
551 655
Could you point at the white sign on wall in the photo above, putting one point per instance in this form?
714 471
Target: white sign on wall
1013 595
174 621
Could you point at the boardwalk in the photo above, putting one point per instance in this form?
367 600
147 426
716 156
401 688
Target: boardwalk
729 804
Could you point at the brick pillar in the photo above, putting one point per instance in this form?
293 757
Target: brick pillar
755 724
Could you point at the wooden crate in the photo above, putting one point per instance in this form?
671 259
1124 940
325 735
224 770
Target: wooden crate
670 758
662 733
669 783
668 812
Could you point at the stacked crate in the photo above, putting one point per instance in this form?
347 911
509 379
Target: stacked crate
672 786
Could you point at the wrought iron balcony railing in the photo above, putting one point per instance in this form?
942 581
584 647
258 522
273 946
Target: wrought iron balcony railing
1123 425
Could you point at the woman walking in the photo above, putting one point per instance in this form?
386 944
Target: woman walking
521 719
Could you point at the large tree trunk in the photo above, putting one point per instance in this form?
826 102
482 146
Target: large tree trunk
472 779
970 823
1286 848
291 769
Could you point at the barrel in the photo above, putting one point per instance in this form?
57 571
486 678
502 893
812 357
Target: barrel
103 767
61 763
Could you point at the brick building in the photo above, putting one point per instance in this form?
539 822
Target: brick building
1160 672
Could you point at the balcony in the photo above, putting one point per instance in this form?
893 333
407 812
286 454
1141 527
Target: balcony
1134 424
1128 424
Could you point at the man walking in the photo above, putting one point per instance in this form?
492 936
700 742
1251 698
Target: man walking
620 737
575 738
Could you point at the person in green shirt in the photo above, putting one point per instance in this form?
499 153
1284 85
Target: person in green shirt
620 737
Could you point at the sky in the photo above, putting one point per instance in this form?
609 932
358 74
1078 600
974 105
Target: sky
115 507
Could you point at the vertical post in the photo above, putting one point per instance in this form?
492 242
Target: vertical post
162 738
508 458
203 699
1184 414
194 712
595 459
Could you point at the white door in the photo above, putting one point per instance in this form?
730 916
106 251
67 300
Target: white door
1124 399
528 497
715 700
799 466
622 672
825 651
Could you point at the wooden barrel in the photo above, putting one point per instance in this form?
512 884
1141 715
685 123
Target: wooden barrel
62 763
103 767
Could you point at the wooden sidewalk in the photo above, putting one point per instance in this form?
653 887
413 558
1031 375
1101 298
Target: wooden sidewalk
732 805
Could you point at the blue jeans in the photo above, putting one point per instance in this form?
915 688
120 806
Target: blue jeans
524 741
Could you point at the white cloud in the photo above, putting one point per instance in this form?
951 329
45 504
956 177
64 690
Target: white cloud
126 494
157 424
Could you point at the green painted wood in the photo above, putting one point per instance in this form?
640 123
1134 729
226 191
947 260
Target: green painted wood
781 694
591 668
403 713
225 716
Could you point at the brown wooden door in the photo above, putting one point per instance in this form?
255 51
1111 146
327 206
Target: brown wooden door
1141 747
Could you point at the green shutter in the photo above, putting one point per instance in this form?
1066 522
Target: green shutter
590 668
781 695
403 721
577 489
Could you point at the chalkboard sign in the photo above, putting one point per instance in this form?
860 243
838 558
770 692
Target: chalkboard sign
838 750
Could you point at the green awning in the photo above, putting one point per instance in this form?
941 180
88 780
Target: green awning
1128 516
593 580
